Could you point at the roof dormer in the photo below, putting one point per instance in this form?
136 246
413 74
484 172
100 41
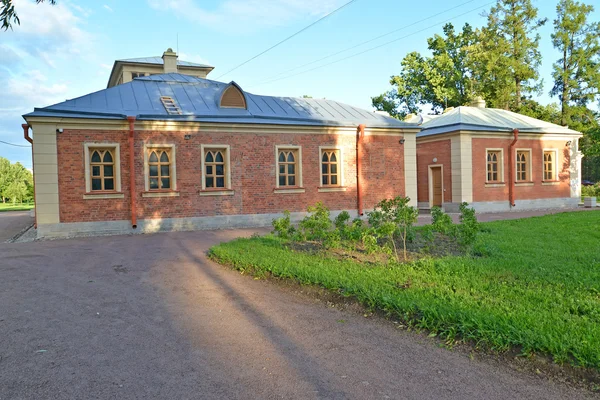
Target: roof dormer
233 97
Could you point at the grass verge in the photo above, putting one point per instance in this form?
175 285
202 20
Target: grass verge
16 207
535 287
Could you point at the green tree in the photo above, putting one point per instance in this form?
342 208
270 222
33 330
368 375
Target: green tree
577 73
8 15
507 55
5 177
443 80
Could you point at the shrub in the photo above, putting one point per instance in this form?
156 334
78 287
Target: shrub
469 226
441 222
316 225
591 191
282 227
394 217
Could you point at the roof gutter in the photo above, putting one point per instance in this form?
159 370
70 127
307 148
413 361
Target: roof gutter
360 133
132 172
30 140
511 169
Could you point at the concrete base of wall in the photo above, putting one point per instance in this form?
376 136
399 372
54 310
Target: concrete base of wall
76 229
523 205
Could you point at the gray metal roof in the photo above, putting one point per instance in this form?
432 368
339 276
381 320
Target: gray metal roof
159 61
199 99
488 120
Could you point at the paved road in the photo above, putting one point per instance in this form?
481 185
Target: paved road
149 317
12 223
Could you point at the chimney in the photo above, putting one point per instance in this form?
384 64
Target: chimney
478 102
169 61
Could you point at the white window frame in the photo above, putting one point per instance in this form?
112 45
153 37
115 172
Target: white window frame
173 172
554 162
117 173
501 164
331 188
227 148
299 188
529 162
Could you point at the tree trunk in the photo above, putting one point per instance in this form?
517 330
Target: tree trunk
565 91
518 95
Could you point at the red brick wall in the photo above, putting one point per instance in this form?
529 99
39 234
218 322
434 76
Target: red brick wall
537 191
252 174
426 152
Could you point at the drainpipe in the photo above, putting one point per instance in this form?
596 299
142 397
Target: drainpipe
132 172
360 133
30 140
511 169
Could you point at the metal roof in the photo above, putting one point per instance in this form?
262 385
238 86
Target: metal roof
198 100
159 61
488 120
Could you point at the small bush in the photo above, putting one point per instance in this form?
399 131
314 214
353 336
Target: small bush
282 227
394 218
317 225
442 222
591 191
469 226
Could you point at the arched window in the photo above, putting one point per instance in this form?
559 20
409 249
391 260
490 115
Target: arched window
549 169
493 166
214 169
523 158
330 167
287 162
159 169
102 170
232 97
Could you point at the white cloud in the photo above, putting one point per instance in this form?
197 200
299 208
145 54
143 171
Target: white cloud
236 15
107 7
195 58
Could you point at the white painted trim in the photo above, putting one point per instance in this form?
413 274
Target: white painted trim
86 157
160 194
495 185
99 196
227 148
217 193
299 182
551 183
340 166
554 166
173 171
430 178
501 162
291 190
529 165
524 184
331 189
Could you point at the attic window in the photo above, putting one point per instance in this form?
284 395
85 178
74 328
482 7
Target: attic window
233 97
170 105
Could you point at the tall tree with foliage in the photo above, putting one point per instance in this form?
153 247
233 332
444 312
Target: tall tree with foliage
443 80
577 73
16 182
8 15
508 57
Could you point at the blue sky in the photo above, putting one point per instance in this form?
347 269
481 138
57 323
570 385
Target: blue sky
66 51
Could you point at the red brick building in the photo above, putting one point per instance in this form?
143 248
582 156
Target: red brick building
174 151
496 160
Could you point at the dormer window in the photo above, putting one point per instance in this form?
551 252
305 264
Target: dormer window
233 97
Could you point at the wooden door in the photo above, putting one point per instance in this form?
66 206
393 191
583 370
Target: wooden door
437 186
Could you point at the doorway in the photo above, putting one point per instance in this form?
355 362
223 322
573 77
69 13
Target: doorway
436 186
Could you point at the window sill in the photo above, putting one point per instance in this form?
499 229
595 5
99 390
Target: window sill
524 184
494 184
289 190
218 192
105 195
160 194
328 189
550 183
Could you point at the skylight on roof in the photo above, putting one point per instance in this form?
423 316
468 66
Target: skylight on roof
170 105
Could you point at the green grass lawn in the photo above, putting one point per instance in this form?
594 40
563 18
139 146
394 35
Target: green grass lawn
536 288
16 207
